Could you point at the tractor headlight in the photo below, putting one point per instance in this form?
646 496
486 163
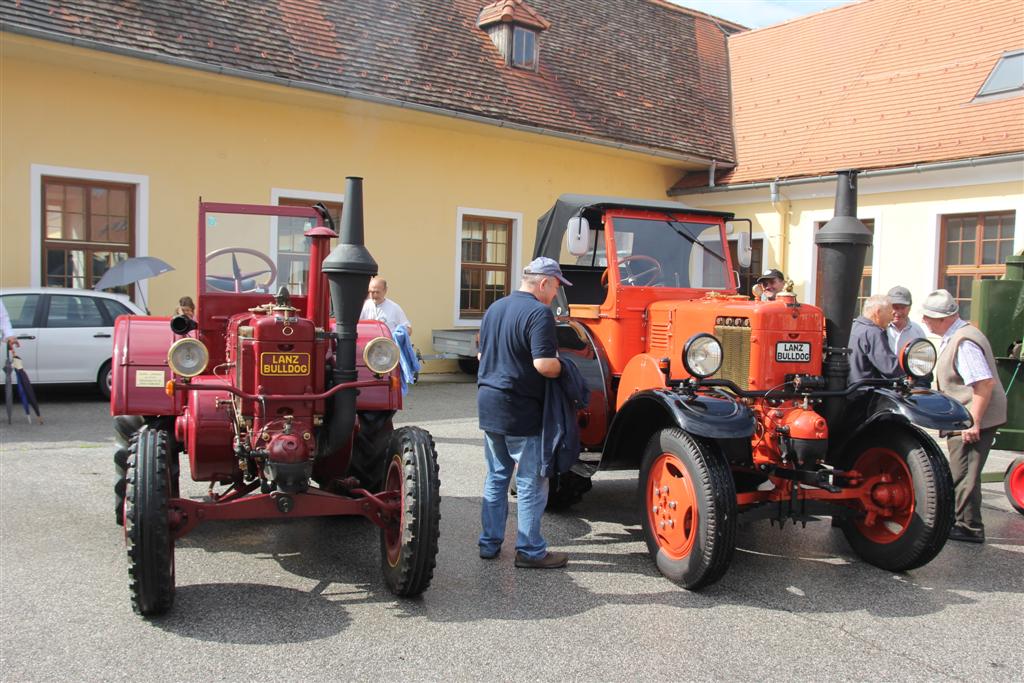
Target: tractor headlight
918 358
702 355
188 357
381 355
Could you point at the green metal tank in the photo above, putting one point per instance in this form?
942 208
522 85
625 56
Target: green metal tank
998 308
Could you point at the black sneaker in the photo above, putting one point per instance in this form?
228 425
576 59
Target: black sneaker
962 533
553 560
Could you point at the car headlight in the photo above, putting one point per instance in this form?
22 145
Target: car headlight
702 355
918 358
188 357
381 355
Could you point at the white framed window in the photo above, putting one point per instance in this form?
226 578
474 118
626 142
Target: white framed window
106 203
289 247
487 263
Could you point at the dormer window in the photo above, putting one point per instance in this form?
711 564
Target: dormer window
524 48
514 27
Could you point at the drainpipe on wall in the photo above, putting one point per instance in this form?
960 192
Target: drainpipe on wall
783 207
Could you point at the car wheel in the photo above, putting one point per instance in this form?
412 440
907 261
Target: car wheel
104 380
908 505
689 508
408 541
147 530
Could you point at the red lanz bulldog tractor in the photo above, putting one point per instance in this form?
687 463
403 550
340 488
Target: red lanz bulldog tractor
734 409
289 416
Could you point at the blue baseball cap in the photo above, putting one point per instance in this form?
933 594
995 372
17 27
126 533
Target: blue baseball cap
542 265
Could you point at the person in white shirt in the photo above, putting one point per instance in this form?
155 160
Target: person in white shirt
902 330
966 371
6 329
379 307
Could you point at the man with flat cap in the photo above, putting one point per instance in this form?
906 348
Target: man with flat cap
966 371
518 351
771 282
902 330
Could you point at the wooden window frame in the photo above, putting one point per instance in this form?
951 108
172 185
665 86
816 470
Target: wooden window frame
86 245
482 267
976 270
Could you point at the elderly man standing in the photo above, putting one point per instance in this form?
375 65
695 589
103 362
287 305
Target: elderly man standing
518 350
870 354
378 307
902 330
966 371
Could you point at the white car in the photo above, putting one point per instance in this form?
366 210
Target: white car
65 336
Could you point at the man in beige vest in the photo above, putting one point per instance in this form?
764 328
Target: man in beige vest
966 371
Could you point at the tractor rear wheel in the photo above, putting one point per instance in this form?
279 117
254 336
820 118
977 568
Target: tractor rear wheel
1013 484
147 529
911 509
408 544
688 501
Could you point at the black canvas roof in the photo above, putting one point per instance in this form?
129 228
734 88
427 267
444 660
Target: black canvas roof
551 226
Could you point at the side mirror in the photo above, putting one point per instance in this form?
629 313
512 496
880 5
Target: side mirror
744 251
577 236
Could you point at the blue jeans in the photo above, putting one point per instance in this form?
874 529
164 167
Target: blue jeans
502 453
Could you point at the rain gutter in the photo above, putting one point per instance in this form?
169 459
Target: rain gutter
355 95
877 173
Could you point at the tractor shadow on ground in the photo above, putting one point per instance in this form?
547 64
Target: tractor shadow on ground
792 570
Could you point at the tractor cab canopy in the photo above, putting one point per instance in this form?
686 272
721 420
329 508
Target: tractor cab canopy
662 246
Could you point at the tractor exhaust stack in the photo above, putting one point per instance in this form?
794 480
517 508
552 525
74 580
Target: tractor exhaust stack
842 245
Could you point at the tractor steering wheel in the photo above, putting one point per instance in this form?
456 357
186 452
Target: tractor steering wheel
237 277
650 276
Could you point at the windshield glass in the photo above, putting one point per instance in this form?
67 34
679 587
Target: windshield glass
667 253
256 254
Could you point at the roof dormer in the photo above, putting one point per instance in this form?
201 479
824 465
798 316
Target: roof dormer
513 27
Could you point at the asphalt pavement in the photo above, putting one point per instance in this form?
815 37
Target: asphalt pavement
303 600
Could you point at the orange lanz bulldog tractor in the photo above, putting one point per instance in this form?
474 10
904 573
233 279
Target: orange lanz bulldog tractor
734 409
292 416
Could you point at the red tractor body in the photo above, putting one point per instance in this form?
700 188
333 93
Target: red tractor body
288 409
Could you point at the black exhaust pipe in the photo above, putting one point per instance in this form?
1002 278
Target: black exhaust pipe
842 245
348 268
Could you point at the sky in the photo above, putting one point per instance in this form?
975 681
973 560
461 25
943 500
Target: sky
758 13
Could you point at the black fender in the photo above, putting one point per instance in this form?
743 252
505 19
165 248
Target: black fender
925 408
889 421
649 411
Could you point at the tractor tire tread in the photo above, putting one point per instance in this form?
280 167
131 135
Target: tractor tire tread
147 531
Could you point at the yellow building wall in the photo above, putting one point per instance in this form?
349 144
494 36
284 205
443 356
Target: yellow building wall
195 134
907 227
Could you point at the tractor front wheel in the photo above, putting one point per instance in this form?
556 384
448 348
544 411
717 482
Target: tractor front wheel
147 529
1013 484
688 501
910 512
408 543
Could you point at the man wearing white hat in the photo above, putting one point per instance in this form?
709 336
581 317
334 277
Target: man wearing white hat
966 371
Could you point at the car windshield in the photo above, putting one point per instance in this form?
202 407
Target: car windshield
256 254
663 253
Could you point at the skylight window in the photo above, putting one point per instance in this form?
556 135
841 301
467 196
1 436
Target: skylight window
1007 76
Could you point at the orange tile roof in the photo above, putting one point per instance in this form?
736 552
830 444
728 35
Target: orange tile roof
874 84
511 11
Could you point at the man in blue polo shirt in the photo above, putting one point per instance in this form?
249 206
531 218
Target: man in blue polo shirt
518 350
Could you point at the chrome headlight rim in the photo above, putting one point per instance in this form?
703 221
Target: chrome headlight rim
370 351
916 355
697 343
183 343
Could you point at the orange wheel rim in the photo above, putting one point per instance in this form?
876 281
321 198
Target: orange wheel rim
1016 483
393 531
891 490
672 506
